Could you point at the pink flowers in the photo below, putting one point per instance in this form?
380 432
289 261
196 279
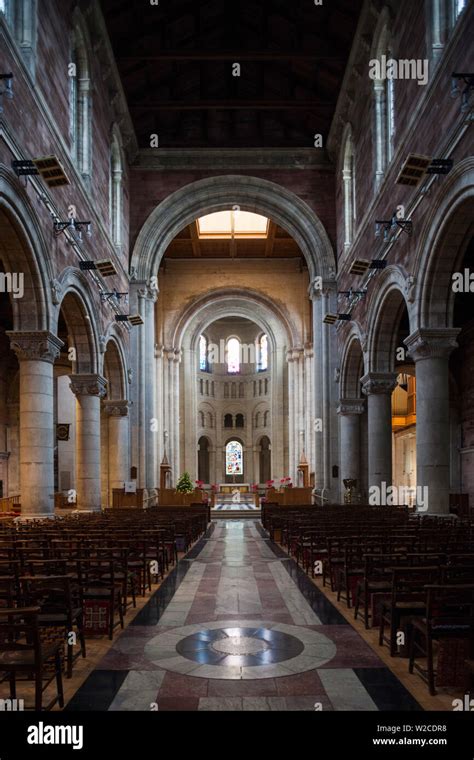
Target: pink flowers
269 483
199 483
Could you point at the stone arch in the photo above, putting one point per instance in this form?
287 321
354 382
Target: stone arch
217 193
78 313
114 372
24 251
384 314
352 366
446 232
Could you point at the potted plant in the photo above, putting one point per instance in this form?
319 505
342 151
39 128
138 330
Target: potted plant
184 484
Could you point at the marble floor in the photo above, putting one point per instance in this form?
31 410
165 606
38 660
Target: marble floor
237 626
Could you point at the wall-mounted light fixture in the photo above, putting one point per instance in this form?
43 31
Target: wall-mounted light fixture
331 319
133 319
74 225
361 266
105 267
389 227
114 295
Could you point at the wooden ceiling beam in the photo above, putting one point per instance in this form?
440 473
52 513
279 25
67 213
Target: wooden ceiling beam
233 105
236 55
270 242
193 228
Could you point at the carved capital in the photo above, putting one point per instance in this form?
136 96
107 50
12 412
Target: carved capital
40 346
116 408
379 383
432 343
351 406
88 385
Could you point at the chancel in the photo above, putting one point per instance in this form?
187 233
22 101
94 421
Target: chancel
237 357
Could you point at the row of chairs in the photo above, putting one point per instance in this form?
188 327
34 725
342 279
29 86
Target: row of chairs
52 573
411 575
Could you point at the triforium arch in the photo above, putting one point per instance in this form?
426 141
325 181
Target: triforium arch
182 342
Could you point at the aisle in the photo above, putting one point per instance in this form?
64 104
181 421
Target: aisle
237 626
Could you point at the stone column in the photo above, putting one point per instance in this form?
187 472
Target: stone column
119 465
380 131
88 389
430 349
36 352
378 387
350 411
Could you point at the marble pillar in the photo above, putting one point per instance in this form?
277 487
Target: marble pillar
430 349
36 353
378 387
350 411
118 454
88 389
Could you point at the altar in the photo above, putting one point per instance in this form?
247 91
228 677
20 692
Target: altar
231 488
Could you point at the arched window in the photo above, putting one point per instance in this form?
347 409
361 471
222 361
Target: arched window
234 459
228 422
257 420
209 420
80 101
384 95
116 189
201 419
348 180
226 390
266 386
207 387
21 17
241 390
233 390
239 421
266 417
203 353
201 386
233 356
263 353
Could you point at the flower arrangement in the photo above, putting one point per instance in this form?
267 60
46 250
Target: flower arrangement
286 483
254 487
199 483
215 487
269 483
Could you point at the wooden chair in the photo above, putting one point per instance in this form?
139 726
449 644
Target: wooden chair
61 607
377 579
408 599
449 615
23 653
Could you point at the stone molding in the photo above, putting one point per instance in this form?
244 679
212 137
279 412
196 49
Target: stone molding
117 408
379 383
35 346
349 406
432 343
88 385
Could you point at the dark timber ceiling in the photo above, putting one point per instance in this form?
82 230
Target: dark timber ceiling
175 60
278 244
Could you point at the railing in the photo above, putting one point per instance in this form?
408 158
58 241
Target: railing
10 504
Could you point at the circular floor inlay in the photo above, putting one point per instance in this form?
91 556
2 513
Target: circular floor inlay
239 645
244 649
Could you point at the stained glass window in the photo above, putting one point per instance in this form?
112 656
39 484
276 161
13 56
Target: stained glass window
233 356
203 353
234 460
263 353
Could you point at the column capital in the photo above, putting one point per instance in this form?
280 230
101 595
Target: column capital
294 354
39 345
379 383
88 385
116 408
147 292
432 343
349 406
320 286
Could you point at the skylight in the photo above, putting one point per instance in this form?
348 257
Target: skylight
232 224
